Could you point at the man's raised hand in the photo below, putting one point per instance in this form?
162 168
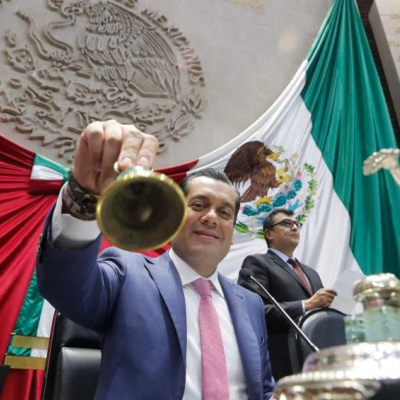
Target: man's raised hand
104 143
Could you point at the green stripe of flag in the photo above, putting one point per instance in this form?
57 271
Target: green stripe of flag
29 317
350 121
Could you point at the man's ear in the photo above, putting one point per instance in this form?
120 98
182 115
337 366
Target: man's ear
268 234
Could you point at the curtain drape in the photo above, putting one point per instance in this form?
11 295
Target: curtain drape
21 220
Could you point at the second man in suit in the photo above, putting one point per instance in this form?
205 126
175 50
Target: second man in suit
297 287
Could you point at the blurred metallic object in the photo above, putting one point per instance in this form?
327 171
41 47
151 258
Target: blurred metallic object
358 371
141 210
385 158
377 290
361 371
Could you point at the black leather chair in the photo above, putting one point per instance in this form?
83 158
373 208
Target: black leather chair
73 364
3 374
324 327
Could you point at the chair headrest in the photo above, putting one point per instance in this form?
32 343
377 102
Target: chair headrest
71 334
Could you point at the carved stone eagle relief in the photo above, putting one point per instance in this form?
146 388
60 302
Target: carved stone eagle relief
98 61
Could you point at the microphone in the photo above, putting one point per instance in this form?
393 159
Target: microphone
247 275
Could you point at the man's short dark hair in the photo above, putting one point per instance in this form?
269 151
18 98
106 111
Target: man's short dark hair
269 219
212 174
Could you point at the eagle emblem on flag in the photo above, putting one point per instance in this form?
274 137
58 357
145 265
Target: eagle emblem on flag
267 180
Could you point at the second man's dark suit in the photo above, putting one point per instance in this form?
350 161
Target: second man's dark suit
288 289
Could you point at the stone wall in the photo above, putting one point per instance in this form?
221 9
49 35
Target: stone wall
194 73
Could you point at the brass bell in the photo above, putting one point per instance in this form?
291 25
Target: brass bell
141 210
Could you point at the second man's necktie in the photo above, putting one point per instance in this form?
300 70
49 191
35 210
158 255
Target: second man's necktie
299 272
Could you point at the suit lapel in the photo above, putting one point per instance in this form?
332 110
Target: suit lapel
169 283
245 335
289 270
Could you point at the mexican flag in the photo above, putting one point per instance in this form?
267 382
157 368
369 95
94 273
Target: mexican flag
305 153
313 142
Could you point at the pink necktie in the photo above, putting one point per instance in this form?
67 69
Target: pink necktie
213 364
300 274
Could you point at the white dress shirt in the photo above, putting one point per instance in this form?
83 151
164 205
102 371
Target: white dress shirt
236 378
71 233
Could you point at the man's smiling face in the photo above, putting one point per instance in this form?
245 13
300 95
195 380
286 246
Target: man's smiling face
207 233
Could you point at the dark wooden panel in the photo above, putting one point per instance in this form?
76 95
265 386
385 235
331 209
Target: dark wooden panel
364 7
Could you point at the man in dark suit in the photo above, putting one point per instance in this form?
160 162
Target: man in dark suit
296 287
172 326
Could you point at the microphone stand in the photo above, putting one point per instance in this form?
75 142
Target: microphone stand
285 314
